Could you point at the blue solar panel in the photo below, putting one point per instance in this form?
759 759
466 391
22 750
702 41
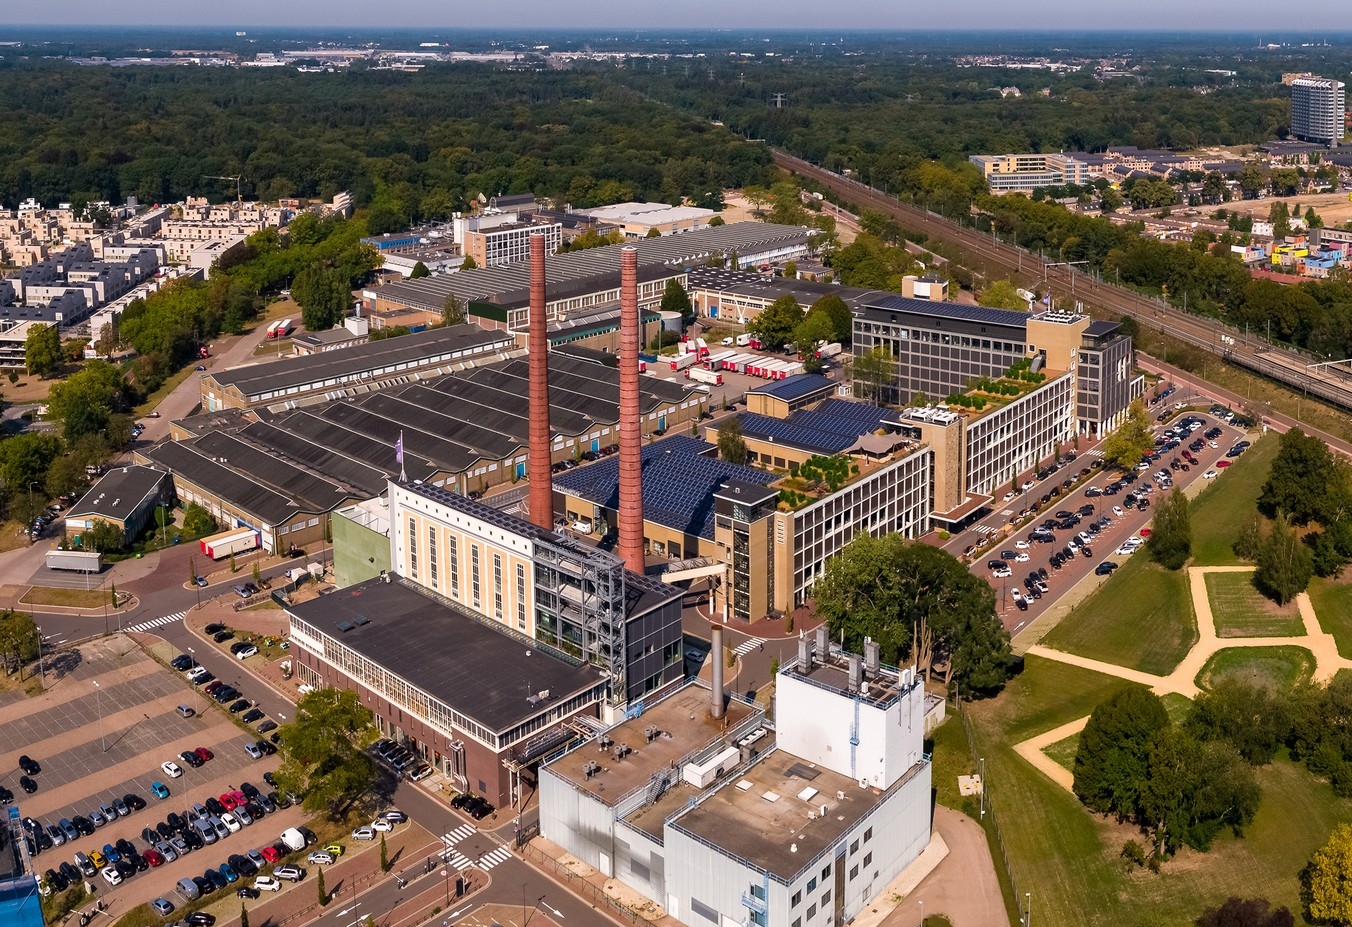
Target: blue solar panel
793 387
944 310
792 435
679 482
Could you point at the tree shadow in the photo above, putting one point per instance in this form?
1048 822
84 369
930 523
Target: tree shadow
62 663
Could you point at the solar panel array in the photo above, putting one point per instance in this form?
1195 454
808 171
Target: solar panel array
679 482
926 307
791 388
830 428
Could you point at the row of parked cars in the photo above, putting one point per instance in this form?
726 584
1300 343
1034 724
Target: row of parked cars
41 837
231 698
402 760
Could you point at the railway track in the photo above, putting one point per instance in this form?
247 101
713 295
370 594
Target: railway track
992 257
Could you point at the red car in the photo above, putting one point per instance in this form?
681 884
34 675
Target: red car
239 797
204 754
153 858
1222 463
270 854
228 801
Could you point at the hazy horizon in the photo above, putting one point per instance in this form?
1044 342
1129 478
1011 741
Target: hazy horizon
1040 15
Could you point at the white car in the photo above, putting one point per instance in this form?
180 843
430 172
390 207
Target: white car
1021 545
111 875
1210 475
267 884
232 822
1002 572
247 652
1008 496
1212 444
381 824
1126 550
171 769
1020 557
1117 510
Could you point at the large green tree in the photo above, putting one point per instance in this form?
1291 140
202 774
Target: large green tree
873 374
1306 481
891 590
25 459
676 299
322 757
731 443
1250 718
842 321
1132 439
323 294
1285 565
1193 789
18 639
85 401
1002 294
1170 543
1328 889
1111 762
42 350
775 324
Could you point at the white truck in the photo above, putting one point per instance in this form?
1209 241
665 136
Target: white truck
743 340
700 375
82 561
682 361
235 541
830 349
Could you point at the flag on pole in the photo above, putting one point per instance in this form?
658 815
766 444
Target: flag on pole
1047 299
399 457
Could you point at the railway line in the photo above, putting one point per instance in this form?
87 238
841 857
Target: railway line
992 257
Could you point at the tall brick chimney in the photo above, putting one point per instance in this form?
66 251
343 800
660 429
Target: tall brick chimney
540 458
631 438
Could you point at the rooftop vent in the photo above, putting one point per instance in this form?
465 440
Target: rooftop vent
345 626
362 620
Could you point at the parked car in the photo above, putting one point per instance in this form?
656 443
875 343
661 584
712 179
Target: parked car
267 884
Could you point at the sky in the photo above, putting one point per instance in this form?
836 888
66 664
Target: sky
1192 15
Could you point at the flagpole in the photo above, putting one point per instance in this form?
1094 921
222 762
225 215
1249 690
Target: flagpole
399 455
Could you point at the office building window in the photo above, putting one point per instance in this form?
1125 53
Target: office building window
474 573
453 562
520 597
412 549
432 554
497 586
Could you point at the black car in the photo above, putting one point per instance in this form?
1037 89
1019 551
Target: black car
83 825
193 838
214 806
70 872
43 840
270 779
255 808
252 715
266 726
249 789
225 694
204 885
181 662
215 628
150 835
267 748
280 800
139 862
6 796
165 829
134 802
221 637
238 706
56 880
246 891
28 785
125 868
29 765
204 678
242 864
217 881
124 847
176 821
192 759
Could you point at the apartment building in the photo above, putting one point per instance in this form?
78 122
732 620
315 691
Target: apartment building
1318 110
1024 173
509 243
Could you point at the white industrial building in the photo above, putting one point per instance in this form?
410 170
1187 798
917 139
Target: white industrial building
722 817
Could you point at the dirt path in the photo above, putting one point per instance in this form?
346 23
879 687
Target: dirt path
963 887
1183 680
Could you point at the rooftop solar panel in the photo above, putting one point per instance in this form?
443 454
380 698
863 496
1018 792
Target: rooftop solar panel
794 387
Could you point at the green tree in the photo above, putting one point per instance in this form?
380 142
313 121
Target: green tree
791 270
1245 912
1002 294
197 520
85 401
243 915
812 330
469 263
1328 889
452 313
419 271
1279 214
1285 565
1305 481
323 294
1126 446
384 855
1250 537
676 299
1111 761
104 537
1170 542
257 575
1248 717
716 222
873 374
322 757
842 322
775 324
319 884
731 443
1193 789
42 350
66 475
889 589
18 639
26 458
653 233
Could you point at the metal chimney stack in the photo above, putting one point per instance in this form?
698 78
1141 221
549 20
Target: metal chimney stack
871 657
541 455
716 689
631 439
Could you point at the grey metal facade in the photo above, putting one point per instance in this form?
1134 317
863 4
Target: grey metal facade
1105 384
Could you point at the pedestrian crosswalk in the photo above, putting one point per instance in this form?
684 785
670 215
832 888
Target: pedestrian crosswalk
451 838
489 860
455 859
748 645
986 530
156 622
1094 452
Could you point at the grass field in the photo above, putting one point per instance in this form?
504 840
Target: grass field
1240 610
70 598
1332 601
1274 667
1223 507
1141 618
1069 859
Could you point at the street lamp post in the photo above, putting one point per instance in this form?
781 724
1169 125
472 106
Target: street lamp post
42 676
1028 909
98 698
983 788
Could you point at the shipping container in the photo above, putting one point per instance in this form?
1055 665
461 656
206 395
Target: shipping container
700 375
682 361
83 561
234 541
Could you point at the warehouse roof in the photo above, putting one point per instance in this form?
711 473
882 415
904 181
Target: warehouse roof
760 286
338 368
794 387
927 307
679 482
449 654
119 493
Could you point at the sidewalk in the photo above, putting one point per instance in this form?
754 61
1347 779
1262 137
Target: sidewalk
607 896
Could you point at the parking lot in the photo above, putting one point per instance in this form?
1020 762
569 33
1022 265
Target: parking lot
101 730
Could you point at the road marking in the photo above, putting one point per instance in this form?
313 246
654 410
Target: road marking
454 858
555 911
157 622
489 860
453 837
748 645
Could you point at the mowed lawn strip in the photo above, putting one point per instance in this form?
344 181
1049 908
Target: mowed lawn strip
1218 514
1070 859
1240 610
1142 618
1332 601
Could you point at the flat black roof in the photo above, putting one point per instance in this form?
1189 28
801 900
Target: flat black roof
479 671
925 307
119 493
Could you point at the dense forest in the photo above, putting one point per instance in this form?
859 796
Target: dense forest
411 146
